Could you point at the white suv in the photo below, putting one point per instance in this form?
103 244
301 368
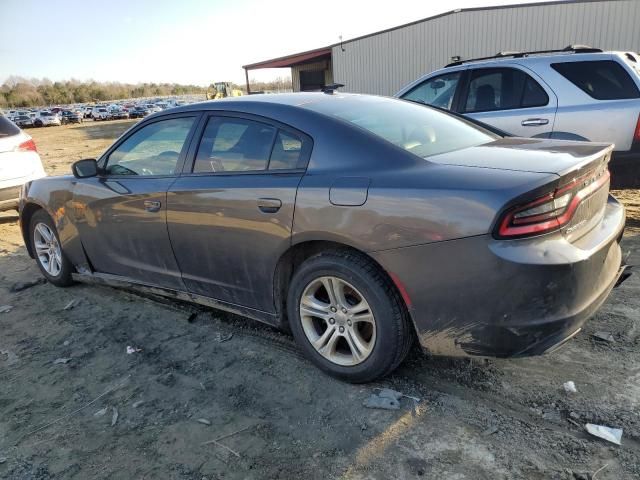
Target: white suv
100 112
579 93
19 163
46 119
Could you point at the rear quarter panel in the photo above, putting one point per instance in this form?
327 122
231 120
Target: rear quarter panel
415 205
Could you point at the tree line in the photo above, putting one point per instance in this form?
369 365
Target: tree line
19 92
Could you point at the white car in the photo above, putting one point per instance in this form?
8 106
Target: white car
46 119
100 112
19 163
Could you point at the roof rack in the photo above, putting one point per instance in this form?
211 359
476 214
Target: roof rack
512 54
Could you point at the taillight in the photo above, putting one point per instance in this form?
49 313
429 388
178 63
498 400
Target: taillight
551 211
28 146
636 134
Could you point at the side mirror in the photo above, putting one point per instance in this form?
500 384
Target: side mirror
85 168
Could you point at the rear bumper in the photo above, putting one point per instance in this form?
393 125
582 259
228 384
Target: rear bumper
494 298
10 189
9 198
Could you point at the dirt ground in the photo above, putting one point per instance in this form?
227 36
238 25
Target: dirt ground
220 397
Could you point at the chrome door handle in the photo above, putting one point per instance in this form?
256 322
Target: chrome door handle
152 205
269 205
534 122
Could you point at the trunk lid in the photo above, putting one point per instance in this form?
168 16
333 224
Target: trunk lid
578 168
560 157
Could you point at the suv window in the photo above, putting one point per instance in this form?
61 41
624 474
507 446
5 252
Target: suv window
152 150
234 145
7 127
437 91
503 89
601 79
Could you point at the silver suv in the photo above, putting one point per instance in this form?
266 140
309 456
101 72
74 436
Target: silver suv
579 93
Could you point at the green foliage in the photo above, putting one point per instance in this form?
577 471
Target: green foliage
21 92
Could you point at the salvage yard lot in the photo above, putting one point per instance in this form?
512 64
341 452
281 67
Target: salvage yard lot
201 376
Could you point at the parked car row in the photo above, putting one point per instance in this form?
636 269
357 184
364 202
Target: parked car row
78 113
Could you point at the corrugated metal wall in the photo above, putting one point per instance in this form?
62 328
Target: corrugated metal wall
383 63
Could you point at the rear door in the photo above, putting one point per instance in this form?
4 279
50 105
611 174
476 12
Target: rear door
230 214
121 214
511 99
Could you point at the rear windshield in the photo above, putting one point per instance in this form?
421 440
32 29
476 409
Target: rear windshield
419 129
602 79
7 127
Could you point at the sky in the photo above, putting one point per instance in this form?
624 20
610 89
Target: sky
185 41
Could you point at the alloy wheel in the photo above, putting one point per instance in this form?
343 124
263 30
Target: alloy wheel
47 249
338 321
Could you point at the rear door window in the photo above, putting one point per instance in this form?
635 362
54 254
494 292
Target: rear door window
493 89
234 145
287 153
601 79
437 91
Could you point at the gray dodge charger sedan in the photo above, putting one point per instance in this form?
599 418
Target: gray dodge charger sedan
359 223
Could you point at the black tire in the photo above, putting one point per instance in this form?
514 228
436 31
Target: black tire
394 330
63 278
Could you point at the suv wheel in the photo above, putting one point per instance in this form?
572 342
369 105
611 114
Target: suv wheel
348 317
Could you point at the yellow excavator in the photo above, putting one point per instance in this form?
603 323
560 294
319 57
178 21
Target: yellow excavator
222 90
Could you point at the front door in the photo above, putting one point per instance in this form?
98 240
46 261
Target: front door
230 215
121 214
510 99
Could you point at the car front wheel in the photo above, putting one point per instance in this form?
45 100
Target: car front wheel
348 317
50 258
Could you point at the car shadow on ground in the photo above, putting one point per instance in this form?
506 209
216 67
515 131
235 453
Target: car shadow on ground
6 218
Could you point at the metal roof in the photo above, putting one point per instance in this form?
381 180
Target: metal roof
291 60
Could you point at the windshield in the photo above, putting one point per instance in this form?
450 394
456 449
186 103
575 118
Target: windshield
418 129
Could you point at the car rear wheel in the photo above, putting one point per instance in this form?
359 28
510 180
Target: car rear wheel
347 317
50 258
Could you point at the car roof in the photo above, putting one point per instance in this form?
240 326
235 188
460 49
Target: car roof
297 99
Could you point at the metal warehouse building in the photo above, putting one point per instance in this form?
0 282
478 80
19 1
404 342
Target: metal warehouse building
382 62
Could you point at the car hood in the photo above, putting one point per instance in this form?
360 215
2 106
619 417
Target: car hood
558 157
